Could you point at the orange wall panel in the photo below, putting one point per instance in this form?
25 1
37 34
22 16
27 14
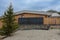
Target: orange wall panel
1 24
51 20
27 16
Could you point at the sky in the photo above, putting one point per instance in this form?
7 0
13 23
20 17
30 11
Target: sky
36 5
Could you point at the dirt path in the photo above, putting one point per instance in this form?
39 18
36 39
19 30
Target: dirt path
36 35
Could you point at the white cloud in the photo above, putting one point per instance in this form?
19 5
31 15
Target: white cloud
54 7
31 4
34 1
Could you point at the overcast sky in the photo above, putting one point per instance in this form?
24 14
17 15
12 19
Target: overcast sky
19 5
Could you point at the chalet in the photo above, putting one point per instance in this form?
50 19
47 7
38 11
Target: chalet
36 17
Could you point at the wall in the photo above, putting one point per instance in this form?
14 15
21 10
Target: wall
52 20
27 15
47 20
1 24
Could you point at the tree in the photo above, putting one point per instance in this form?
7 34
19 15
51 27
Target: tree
9 24
58 12
53 11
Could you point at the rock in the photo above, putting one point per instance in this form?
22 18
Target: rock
1 37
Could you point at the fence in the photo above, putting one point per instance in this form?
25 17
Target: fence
32 27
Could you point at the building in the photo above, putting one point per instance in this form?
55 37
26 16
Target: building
36 17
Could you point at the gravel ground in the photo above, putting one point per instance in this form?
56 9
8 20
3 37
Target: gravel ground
52 34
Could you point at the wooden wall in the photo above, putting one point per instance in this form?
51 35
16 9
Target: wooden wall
47 20
1 24
52 20
28 15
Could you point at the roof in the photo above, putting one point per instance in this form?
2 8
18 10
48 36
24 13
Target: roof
34 12
55 15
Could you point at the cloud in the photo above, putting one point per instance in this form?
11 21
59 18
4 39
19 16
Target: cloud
54 6
19 5
30 4
3 6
